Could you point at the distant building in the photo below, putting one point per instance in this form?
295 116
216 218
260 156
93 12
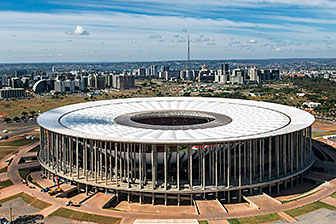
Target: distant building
123 81
8 93
171 74
59 86
140 72
99 82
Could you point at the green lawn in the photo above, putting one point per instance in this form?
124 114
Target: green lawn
23 173
5 183
28 199
10 198
257 219
68 213
333 195
34 202
203 222
35 149
320 134
6 150
18 142
4 169
309 208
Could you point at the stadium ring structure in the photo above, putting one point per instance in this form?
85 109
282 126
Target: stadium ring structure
172 150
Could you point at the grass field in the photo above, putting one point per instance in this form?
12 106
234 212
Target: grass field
309 208
4 169
320 134
5 183
35 149
333 195
17 142
203 222
10 198
28 199
34 202
257 219
23 173
68 213
6 150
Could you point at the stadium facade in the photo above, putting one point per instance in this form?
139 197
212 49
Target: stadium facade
173 150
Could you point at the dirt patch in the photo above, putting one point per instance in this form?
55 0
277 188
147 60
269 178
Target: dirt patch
3 114
27 106
325 125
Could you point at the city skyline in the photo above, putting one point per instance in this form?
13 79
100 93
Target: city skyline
92 31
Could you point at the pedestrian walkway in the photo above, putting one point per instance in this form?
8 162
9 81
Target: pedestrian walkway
286 217
47 211
330 201
210 207
166 221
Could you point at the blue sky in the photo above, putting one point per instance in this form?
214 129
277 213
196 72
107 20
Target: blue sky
129 30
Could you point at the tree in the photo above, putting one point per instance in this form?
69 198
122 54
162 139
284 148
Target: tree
7 120
24 113
16 119
32 112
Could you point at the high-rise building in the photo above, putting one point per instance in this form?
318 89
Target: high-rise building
59 86
99 82
123 81
8 93
225 67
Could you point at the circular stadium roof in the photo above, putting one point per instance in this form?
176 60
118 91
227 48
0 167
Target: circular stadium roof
221 120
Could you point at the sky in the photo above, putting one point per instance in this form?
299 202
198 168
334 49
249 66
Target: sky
155 30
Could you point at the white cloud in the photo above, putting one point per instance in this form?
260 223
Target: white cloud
79 31
134 42
252 41
277 49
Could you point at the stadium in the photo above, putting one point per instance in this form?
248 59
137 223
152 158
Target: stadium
172 150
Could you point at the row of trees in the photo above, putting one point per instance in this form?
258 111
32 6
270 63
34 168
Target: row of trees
23 117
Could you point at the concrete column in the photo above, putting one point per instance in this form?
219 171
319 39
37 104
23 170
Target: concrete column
260 161
250 163
121 156
128 166
235 163
262 158
203 167
190 152
116 162
216 166
153 167
239 165
224 164
277 148
111 168
245 161
77 157
310 142
70 154
95 161
165 164
41 143
106 170
85 160
178 167
100 151
91 159
199 165
228 164
285 153
64 154
270 159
